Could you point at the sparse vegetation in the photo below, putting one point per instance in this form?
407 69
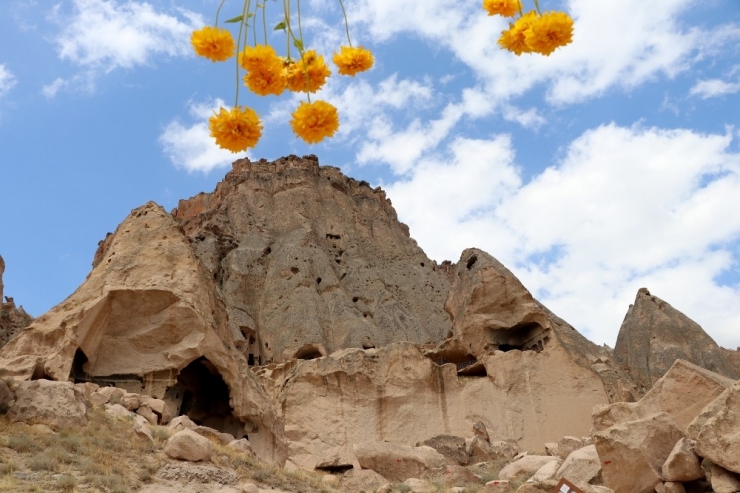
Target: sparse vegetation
108 457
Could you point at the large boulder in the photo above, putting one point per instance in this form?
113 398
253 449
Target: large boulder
682 392
149 316
56 404
682 464
724 481
525 467
395 461
633 453
581 466
717 430
654 335
188 445
452 447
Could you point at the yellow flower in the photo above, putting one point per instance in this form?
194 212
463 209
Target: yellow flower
351 60
254 57
514 39
549 31
506 8
236 129
295 73
314 121
266 80
213 43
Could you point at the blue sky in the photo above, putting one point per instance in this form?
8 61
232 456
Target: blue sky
611 165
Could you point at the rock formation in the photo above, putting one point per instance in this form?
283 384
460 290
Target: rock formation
654 335
309 261
12 319
148 319
290 306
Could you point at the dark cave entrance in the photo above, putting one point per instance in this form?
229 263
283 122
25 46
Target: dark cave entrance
203 396
466 364
310 351
78 374
529 336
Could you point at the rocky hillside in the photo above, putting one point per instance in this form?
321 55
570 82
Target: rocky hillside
12 318
291 308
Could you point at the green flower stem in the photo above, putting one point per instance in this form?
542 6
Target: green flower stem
305 67
264 19
537 6
286 13
346 23
218 11
239 45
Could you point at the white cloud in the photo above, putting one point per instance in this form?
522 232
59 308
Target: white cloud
624 208
7 80
712 88
103 35
617 43
51 90
192 147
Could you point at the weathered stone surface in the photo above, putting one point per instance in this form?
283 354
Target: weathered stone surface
356 480
242 445
682 392
633 453
717 430
538 487
395 461
182 423
581 466
131 401
498 486
452 447
223 438
119 411
148 309
12 319
6 397
188 445
724 481
567 445
419 486
551 448
492 311
670 487
355 396
56 404
148 414
307 258
682 464
104 395
480 431
654 335
451 475
525 467
548 471
250 488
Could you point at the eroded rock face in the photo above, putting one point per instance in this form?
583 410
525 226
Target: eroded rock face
309 261
56 404
147 317
654 335
357 396
396 461
682 392
633 453
717 430
493 312
12 318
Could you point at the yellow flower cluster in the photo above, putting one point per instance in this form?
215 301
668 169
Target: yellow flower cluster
267 73
532 32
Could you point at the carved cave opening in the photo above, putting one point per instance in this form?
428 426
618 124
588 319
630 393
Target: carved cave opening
530 336
466 364
202 395
310 351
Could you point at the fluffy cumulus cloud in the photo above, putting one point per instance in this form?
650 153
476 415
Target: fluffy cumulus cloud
191 147
624 208
103 35
7 80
